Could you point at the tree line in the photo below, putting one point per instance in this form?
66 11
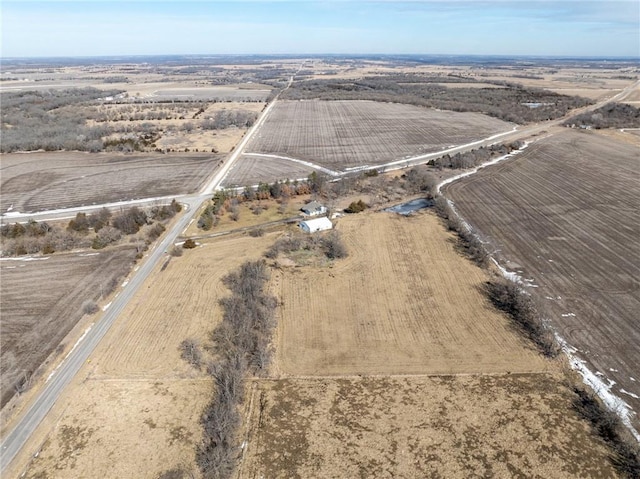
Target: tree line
475 157
612 115
511 102
241 345
228 200
96 230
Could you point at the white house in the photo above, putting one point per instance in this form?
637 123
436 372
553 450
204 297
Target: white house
313 209
316 224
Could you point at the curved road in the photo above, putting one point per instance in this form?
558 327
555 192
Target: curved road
51 390
14 441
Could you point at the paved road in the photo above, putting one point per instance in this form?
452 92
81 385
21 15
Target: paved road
14 441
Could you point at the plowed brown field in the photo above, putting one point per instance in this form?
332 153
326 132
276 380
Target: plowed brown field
251 170
403 302
564 214
37 313
41 181
342 134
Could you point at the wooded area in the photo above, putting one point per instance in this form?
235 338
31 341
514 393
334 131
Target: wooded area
513 103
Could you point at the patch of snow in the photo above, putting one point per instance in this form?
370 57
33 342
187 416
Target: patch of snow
603 390
510 275
106 306
306 163
88 254
635 396
26 258
70 351
568 315
613 370
484 165
12 213
125 283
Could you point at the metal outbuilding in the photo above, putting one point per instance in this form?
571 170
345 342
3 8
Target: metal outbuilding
316 224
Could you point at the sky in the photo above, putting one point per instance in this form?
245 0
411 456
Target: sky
576 28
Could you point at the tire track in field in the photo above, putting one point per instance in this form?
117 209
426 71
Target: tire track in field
404 301
580 243
181 302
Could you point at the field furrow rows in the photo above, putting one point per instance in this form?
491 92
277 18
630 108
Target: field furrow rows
565 215
342 134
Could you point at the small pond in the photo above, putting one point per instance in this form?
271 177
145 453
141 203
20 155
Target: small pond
411 206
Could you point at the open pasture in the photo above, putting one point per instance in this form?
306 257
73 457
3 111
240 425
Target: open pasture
403 302
135 409
564 215
37 313
408 427
42 181
343 134
181 302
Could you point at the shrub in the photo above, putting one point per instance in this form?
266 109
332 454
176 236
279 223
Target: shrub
130 221
508 297
189 244
79 224
106 236
90 307
334 247
155 231
610 428
356 207
190 351
256 232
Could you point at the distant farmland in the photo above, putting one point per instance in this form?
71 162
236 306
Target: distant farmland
343 134
41 181
564 214
208 94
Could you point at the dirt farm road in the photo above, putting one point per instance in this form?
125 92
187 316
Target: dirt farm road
15 439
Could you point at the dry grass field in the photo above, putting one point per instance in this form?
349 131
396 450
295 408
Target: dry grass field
37 313
40 181
342 134
564 215
252 213
390 363
403 302
134 409
409 427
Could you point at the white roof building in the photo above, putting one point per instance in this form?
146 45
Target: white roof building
316 224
